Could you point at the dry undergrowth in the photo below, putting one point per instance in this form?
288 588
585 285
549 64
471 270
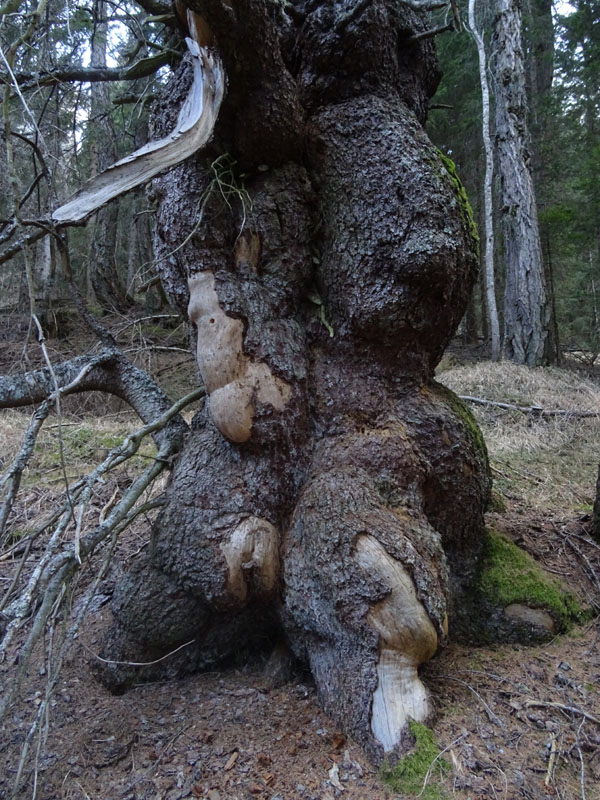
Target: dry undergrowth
545 462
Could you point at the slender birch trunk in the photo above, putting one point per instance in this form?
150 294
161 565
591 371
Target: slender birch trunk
490 283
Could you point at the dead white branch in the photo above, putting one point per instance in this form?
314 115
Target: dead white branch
57 566
193 130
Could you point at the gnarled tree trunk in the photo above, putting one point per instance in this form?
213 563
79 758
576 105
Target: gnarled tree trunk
331 492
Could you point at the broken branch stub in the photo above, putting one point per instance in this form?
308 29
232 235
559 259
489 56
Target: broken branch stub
194 129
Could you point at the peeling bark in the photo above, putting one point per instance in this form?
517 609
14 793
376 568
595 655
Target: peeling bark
193 130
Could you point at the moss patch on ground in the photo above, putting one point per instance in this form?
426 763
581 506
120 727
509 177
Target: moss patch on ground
421 767
510 575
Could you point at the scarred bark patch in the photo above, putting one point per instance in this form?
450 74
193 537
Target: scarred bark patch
234 382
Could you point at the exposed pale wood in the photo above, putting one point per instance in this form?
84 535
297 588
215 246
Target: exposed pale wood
407 638
193 130
234 382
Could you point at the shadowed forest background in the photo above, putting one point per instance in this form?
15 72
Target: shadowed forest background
515 128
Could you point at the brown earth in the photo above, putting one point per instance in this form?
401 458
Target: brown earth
503 716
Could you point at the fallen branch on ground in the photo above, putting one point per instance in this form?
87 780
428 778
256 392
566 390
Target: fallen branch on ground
535 411
561 707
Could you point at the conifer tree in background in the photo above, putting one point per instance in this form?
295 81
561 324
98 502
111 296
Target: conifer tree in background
526 314
103 276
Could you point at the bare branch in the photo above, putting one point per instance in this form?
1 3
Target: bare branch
141 69
429 34
54 569
535 411
13 475
424 5
156 7
22 242
562 707
109 371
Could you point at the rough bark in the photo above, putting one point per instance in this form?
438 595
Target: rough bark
526 312
330 493
540 65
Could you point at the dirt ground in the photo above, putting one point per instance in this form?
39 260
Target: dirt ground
513 721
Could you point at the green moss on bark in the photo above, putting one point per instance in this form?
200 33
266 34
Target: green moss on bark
462 410
466 209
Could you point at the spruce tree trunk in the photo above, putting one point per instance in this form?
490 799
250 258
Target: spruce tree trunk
330 493
526 310
540 67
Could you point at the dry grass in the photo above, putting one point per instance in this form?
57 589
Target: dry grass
544 462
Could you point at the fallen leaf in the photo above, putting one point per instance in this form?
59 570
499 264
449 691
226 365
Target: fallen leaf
255 788
338 740
231 761
334 778
263 759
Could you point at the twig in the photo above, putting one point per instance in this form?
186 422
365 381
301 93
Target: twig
56 397
145 319
535 411
490 714
439 755
562 707
587 566
581 761
551 760
138 663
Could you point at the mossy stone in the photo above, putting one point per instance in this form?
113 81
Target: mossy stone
509 575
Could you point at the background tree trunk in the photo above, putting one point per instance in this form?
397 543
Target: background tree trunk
330 492
103 277
526 311
490 272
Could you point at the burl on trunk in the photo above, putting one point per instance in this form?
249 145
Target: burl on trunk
330 493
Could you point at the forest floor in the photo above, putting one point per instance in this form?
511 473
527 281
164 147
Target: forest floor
511 721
